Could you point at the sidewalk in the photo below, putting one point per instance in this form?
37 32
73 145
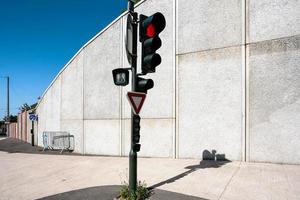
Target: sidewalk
12 145
34 176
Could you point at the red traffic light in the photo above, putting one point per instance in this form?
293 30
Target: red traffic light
150 31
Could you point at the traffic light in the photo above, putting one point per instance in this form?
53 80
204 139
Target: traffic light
136 133
150 27
142 85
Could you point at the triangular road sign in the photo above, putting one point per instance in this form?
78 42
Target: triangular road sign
136 101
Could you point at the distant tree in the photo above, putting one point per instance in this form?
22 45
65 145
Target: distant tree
5 119
24 107
2 128
33 106
12 118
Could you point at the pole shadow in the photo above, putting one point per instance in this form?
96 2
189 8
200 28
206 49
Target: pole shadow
210 160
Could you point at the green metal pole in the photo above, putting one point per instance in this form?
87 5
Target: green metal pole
32 133
133 154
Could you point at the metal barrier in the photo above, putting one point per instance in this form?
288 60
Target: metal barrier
58 140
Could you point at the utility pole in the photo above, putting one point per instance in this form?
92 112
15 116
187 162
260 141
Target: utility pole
7 85
7 114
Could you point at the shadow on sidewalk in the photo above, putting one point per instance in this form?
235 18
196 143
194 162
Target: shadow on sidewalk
13 145
111 191
211 162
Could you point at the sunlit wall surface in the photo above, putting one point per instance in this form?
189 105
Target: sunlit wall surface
229 81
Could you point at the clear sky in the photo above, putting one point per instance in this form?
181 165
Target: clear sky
38 37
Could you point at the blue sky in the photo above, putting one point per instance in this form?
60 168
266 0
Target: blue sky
38 37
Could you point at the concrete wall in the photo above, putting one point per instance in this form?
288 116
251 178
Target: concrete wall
228 82
28 127
273 61
210 66
13 130
102 108
22 128
71 114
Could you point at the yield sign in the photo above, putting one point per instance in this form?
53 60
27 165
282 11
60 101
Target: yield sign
136 100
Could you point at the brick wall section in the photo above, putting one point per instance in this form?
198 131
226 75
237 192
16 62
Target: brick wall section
19 129
12 130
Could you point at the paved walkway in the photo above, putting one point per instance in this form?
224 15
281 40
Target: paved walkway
34 176
12 145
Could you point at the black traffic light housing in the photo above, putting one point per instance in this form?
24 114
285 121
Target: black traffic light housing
142 84
136 133
150 27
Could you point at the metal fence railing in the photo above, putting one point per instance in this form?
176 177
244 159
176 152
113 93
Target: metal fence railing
58 140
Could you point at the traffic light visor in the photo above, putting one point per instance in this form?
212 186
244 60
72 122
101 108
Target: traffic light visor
151 45
152 60
142 85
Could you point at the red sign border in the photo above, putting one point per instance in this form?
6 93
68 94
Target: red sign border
135 109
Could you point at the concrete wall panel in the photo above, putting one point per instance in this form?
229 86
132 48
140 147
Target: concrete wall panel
53 106
72 89
210 103
28 127
101 96
36 133
156 137
47 110
13 130
275 101
271 19
125 137
24 126
208 24
19 130
42 112
102 137
74 127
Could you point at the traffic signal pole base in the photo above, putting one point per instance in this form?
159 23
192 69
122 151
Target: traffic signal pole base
132 171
